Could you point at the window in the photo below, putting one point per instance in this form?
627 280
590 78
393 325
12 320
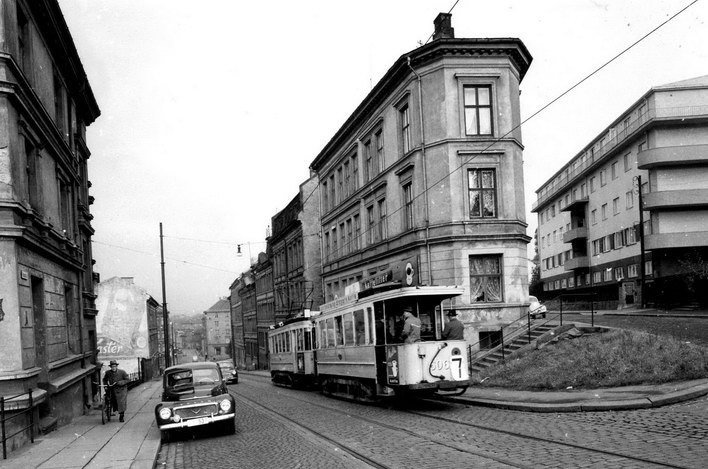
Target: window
583 190
340 184
378 136
632 271
603 177
405 128
597 277
369 162
594 216
335 249
641 147
553 210
325 196
648 268
564 283
23 39
571 282
630 236
382 229
592 184
478 110
482 193
485 278
354 163
343 239
607 275
629 199
332 192
59 115
604 211
371 224
350 233
619 273
616 205
614 170
357 232
627 161
408 206
32 169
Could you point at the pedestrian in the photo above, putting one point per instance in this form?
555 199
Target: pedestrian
117 382
454 330
411 327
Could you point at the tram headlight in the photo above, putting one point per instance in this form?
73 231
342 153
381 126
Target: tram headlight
225 405
456 351
165 413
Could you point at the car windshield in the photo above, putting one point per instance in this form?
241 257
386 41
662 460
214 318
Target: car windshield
196 376
533 299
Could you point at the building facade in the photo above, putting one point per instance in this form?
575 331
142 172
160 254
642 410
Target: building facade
127 326
217 330
594 236
238 347
429 168
250 326
47 309
296 256
265 305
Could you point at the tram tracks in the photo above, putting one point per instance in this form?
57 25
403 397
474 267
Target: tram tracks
531 439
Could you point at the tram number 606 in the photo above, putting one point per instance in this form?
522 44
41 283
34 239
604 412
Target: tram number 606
442 365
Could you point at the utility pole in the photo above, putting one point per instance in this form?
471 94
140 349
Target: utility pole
642 289
165 314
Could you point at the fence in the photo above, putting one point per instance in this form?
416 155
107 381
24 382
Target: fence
4 418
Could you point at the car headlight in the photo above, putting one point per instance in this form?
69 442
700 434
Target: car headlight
225 405
165 413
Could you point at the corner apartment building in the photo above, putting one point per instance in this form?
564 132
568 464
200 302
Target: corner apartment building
217 330
296 257
47 309
593 235
429 167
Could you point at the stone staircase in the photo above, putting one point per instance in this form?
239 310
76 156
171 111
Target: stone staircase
512 345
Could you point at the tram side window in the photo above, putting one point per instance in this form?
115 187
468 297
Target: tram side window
322 327
330 332
287 342
359 327
276 341
309 337
340 332
348 329
372 325
298 340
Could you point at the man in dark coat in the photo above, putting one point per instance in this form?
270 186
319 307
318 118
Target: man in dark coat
454 330
411 327
117 382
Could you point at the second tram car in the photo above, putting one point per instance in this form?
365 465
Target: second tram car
353 346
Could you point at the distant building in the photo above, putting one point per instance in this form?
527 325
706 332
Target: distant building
47 310
239 352
217 329
296 254
127 325
428 170
265 305
590 237
250 325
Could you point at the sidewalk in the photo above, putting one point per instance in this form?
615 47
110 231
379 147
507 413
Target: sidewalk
86 443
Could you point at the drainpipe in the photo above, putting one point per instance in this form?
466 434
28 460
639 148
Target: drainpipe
425 172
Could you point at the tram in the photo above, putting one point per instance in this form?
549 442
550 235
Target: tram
352 346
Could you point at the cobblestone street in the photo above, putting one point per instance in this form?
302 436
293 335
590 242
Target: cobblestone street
313 431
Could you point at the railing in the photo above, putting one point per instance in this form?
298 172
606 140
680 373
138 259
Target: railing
518 331
4 418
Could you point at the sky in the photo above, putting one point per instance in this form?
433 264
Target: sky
212 111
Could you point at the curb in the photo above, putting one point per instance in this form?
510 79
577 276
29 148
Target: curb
587 406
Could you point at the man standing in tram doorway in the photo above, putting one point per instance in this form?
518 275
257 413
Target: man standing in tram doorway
117 380
411 327
454 330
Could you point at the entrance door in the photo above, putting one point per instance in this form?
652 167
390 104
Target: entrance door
40 333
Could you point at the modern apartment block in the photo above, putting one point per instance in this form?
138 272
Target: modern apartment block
592 234
47 300
428 168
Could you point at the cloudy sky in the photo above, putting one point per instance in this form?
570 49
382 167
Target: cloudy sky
212 111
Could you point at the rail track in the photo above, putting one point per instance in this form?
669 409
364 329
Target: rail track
549 445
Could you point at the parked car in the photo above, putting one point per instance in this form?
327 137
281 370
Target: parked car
194 394
228 371
536 309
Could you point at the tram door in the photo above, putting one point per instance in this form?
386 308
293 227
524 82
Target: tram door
380 347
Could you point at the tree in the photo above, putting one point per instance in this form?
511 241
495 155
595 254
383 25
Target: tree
535 284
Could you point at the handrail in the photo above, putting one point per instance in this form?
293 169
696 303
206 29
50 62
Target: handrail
3 419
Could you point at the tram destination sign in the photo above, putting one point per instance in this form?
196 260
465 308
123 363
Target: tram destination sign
379 279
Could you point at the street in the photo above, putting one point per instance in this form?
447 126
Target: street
279 427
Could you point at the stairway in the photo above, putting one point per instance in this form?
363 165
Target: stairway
511 345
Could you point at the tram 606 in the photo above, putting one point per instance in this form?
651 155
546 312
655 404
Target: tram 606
353 346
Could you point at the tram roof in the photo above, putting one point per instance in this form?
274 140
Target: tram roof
404 292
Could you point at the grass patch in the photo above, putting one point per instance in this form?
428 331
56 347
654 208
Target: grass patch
615 358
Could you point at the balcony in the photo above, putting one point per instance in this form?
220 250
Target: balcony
577 205
673 156
678 199
580 262
575 233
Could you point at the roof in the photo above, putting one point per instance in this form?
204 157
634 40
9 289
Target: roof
220 306
701 81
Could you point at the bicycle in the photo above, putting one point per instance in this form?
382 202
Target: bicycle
105 404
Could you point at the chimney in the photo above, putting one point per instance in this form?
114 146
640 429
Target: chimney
443 27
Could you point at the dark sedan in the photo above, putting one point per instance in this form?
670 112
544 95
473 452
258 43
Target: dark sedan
194 394
228 371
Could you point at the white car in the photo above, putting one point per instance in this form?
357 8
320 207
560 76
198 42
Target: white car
536 309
